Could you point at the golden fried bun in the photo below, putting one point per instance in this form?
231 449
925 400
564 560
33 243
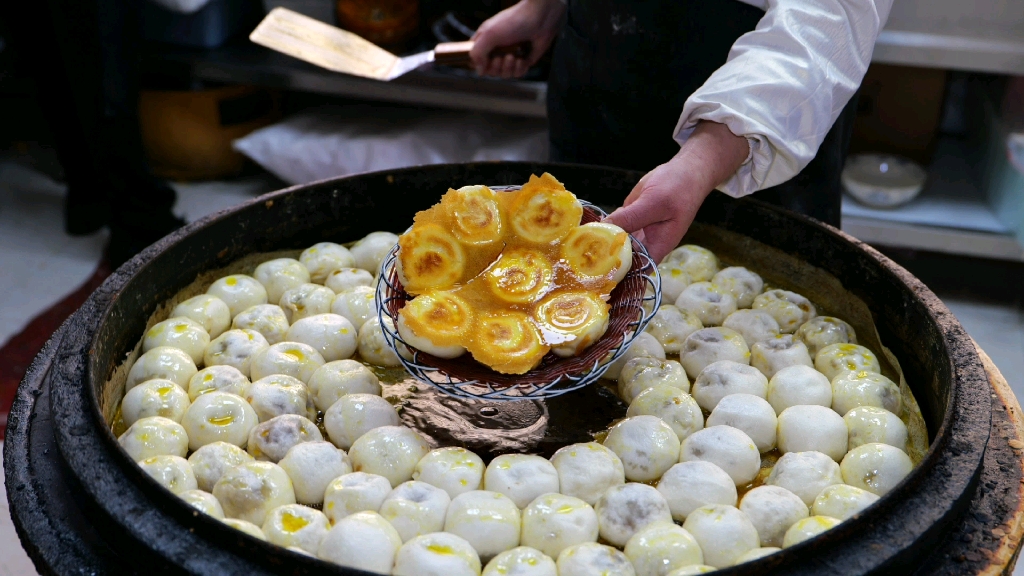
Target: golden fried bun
507 342
520 277
598 250
429 257
572 321
473 214
436 323
544 211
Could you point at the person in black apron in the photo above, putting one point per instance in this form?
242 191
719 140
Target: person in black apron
622 71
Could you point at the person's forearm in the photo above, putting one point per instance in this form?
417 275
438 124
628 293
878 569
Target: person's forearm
553 11
533 21
560 4
547 13
712 155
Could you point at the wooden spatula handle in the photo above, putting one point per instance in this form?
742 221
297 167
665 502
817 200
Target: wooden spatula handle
457 53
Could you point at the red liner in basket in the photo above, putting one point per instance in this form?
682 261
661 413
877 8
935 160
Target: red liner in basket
464 376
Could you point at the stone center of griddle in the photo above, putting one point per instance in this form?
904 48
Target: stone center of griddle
491 428
497 415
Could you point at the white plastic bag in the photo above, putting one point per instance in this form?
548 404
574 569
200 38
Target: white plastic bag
337 141
182 6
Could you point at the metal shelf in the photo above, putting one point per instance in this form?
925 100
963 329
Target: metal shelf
953 52
951 216
975 36
934 239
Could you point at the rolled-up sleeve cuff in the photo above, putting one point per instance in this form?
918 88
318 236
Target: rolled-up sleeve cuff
753 174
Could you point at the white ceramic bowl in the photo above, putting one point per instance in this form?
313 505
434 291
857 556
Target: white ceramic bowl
882 180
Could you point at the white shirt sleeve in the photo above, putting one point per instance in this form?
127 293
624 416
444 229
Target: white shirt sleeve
785 83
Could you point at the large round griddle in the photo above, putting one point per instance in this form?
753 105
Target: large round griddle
78 500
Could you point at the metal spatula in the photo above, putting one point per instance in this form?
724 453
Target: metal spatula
338 50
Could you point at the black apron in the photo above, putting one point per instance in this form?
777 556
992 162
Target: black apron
623 69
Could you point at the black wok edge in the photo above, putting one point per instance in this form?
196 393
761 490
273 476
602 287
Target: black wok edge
127 523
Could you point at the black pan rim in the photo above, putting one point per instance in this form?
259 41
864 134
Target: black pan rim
82 433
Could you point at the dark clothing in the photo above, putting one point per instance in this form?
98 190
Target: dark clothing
84 56
623 69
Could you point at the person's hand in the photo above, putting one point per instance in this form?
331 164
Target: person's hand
663 203
661 207
535 21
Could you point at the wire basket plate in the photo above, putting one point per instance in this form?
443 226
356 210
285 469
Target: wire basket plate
632 305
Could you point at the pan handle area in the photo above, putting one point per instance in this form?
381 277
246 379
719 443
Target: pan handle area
457 53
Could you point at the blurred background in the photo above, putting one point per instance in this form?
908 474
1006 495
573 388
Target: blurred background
120 121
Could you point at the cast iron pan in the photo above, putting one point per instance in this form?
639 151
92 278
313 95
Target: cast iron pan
149 530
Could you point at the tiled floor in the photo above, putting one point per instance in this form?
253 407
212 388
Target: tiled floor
39 264
999 330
